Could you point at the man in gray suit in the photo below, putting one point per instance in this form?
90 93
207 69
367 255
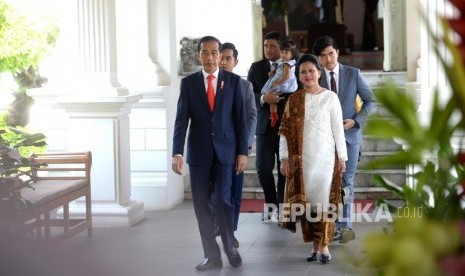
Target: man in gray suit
348 83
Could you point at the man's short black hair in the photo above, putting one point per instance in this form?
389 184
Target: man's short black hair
322 42
274 35
207 39
229 45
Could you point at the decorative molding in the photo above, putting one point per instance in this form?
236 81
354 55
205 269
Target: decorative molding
189 56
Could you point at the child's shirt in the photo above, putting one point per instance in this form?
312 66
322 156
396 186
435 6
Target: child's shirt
288 86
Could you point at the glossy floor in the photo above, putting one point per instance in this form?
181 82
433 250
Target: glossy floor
168 243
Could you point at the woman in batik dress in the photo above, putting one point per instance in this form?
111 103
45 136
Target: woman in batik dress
313 153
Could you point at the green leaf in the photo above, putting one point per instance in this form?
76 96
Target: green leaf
401 107
390 186
403 158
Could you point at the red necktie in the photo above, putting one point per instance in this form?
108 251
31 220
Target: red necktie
211 92
333 82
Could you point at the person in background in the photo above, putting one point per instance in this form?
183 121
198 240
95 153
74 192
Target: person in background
228 62
282 78
313 153
348 83
211 104
266 137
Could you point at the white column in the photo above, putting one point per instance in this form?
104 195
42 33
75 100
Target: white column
97 112
257 25
149 152
413 27
136 70
154 182
394 36
97 55
432 73
102 126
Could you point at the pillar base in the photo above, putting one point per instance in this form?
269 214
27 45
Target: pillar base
109 214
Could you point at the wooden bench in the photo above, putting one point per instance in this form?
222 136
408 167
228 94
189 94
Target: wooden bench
64 179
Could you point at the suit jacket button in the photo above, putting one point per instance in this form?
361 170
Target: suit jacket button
213 134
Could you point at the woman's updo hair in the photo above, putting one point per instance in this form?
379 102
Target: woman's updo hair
308 58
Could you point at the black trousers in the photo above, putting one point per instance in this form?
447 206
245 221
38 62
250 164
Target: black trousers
267 150
209 185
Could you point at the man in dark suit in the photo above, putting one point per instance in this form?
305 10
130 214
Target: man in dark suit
229 60
267 138
213 102
349 84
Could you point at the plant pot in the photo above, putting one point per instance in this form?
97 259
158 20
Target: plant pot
10 196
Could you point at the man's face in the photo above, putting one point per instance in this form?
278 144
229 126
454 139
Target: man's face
228 62
328 57
210 56
271 49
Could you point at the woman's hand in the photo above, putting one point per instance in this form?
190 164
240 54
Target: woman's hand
285 169
341 167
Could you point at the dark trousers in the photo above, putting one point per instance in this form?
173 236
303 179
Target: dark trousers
236 198
267 150
211 184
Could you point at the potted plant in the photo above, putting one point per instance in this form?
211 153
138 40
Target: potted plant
15 170
430 242
23 44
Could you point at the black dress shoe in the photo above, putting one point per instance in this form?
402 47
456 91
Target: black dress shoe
235 242
312 257
234 258
324 259
210 264
265 218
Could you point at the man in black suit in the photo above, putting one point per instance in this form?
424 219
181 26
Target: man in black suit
212 101
267 138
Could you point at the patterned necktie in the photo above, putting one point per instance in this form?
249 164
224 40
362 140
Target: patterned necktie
211 92
333 83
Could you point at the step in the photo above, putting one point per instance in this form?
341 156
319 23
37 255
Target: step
370 144
359 193
372 148
365 159
369 156
363 178
368 190
371 151
376 79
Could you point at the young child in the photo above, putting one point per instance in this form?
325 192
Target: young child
282 78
